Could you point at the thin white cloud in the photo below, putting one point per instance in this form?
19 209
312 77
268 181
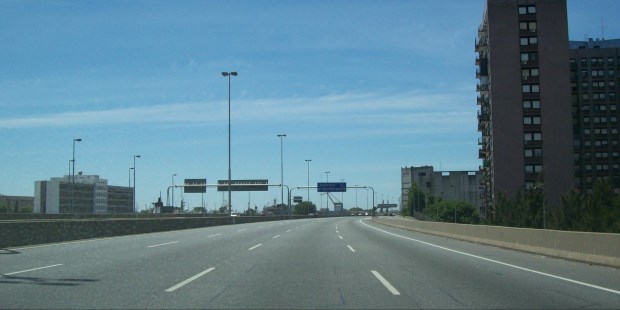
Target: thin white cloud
362 109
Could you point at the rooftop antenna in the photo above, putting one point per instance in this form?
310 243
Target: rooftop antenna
602 28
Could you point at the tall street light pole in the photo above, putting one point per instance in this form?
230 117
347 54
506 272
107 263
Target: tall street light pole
281 136
73 171
173 175
229 74
327 197
130 168
308 161
134 182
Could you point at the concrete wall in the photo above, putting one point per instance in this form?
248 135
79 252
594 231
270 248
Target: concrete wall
28 232
596 248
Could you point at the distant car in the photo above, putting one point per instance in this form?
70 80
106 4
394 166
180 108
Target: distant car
234 214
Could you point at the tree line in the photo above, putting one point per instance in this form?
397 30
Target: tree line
594 211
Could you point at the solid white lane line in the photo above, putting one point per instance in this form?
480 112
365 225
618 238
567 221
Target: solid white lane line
385 283
254 247
242 229
289 230
209 236
500 263
174 288
350 248
340 237
156 245
276 236
33 269
337 232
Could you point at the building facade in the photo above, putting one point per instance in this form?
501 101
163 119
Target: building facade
595 75
524 97
87 194
16 204
448 185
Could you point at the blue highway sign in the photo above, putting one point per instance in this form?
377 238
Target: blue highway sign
331 187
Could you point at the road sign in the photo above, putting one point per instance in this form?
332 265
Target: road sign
331 187
243 185
195 186
297 199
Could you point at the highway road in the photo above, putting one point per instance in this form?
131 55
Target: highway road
325 263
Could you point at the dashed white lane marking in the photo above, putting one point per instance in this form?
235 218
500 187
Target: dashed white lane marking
340 237
242 229
33 269
289 230
209 236
161 244
385 283
254 247
276 236
351 248
501 263
174 288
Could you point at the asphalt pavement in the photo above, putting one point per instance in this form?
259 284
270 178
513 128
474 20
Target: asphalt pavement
324 263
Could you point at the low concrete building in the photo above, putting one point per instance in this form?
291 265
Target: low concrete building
86 194
16 204
448 185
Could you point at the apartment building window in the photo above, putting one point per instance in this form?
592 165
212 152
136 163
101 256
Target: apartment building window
612 96
584 85
528 41
586 131
531 120
527 57
531 88
532 136
600 107
598 84
610 61
598 73
598 96
611 73
583 61
531 104
533 168
584 73
535 152
596 61
585 97
526 73
527 9
531 26
612 84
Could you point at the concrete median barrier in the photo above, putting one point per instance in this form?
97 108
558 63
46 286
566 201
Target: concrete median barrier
15 233
595 248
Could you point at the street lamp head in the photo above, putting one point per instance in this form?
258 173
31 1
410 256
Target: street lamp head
137 156
282 135
234 73
77 140
224 73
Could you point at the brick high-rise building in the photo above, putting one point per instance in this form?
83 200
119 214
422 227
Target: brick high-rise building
525 100
595 75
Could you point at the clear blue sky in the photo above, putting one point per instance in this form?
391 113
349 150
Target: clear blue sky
362 88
